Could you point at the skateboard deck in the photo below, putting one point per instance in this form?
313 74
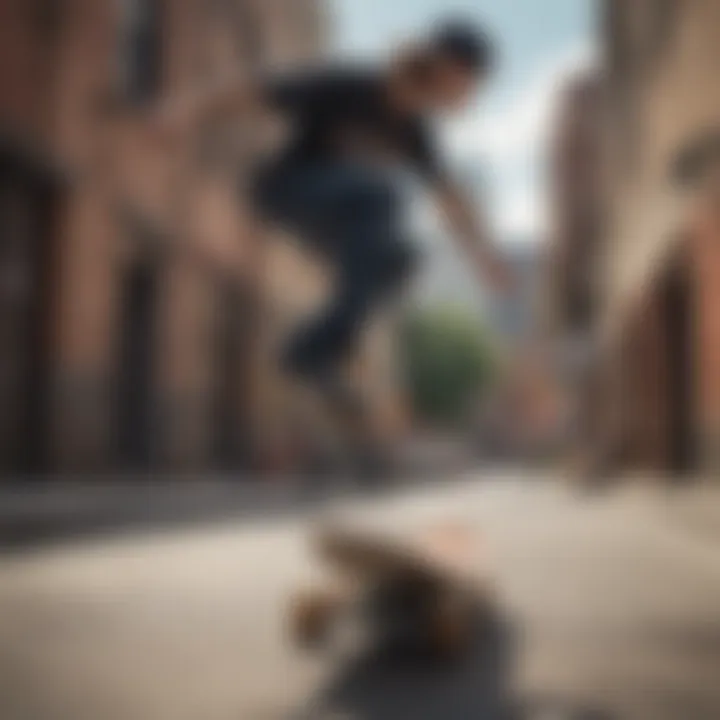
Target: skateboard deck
424 587
445 554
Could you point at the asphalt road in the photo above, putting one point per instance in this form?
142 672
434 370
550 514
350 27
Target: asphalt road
607 609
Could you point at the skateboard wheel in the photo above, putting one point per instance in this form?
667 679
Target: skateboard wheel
311 614
451 628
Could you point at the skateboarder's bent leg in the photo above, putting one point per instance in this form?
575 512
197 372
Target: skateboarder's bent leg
372 262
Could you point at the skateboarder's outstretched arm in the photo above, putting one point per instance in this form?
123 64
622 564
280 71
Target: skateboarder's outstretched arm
469 229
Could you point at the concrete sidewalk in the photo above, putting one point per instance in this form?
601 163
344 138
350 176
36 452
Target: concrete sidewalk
688 507
603 611
695 508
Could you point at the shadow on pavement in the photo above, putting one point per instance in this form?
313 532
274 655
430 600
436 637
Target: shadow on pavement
392 685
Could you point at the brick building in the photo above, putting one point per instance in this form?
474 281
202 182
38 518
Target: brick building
137 301
576 199
570 291
656 309
661 318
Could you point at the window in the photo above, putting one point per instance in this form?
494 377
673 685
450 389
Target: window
229 41
664 22
141 50
48 16
696 158
622 81
248 34
233 35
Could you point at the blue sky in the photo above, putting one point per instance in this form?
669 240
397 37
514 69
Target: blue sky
502 139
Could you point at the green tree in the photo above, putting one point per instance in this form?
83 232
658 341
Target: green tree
446 363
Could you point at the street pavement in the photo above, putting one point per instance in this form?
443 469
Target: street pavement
607 608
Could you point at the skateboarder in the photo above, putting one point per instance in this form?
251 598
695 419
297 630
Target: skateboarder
337 182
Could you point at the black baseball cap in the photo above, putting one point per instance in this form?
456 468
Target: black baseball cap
464 43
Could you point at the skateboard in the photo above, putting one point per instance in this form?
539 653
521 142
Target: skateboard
424 590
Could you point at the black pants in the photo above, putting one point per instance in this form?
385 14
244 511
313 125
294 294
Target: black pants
353 215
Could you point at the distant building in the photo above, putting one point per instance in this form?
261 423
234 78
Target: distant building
570 299
137 301
513 317
576 199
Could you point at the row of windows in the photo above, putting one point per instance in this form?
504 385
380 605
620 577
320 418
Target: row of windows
642 34
231 24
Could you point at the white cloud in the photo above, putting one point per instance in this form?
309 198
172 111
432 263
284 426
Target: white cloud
522 217
511 143
522 127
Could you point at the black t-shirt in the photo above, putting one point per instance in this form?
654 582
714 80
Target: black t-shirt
341 111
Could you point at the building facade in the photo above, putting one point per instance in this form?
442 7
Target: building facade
138 299
660 267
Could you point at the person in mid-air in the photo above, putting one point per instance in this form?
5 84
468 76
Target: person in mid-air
337 182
